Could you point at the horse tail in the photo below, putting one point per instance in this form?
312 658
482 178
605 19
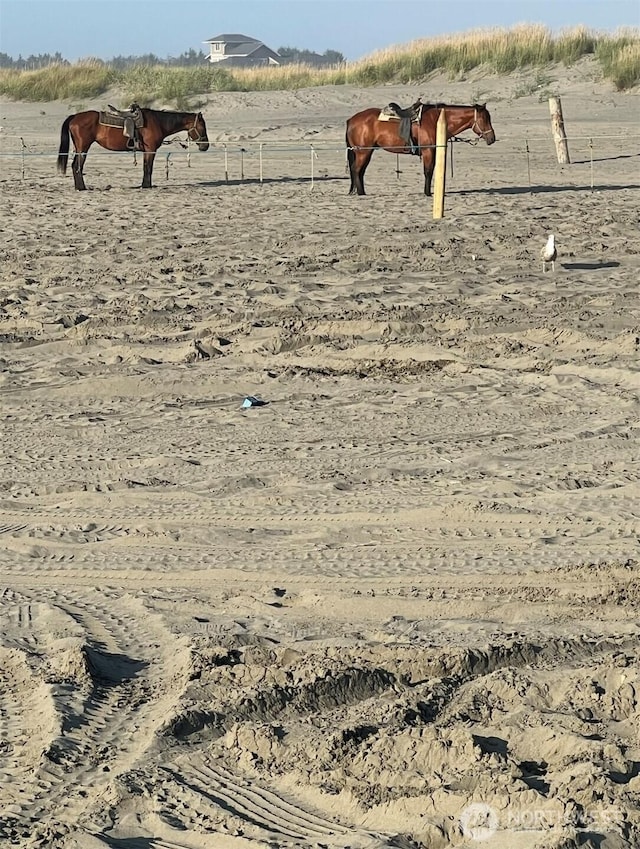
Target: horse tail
351 156
63 153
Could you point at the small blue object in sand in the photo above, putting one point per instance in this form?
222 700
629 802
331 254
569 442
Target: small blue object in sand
252 401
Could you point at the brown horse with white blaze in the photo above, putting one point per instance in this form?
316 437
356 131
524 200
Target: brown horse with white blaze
84 128
366 132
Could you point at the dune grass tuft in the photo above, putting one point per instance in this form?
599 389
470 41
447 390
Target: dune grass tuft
85 79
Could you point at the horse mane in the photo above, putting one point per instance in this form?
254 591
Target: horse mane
440 105
169 112
174 118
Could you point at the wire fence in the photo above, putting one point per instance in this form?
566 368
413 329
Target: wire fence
594 160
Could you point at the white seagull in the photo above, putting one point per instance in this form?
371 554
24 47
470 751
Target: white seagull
549 254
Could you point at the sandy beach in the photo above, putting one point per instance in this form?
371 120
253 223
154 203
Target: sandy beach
395 603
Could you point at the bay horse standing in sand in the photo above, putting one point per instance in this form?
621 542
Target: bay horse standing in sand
366 132
85 128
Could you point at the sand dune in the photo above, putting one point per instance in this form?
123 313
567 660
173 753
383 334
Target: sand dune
396 604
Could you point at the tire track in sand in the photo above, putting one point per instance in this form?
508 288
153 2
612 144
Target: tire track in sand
203 789
119 680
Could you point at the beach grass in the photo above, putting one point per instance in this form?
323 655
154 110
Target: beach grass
499 51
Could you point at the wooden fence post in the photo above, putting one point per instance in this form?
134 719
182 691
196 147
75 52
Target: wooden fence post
440 172
557 128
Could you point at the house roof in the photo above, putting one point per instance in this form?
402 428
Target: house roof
233 38
245 49
246 61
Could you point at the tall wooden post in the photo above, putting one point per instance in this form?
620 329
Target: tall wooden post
440 172
557 129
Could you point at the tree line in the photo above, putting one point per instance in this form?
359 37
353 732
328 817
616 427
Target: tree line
189 58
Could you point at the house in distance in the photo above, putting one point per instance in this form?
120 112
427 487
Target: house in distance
240 51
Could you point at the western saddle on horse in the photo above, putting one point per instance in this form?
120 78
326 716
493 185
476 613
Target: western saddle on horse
406 117
130 120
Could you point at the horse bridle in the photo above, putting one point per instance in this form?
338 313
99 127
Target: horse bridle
196 130
476 128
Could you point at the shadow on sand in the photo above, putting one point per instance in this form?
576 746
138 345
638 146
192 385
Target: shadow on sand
523 190
589 266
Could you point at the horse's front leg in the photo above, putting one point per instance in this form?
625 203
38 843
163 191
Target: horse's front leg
147 169
428 161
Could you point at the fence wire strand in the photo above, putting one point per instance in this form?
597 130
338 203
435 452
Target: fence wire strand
535 152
